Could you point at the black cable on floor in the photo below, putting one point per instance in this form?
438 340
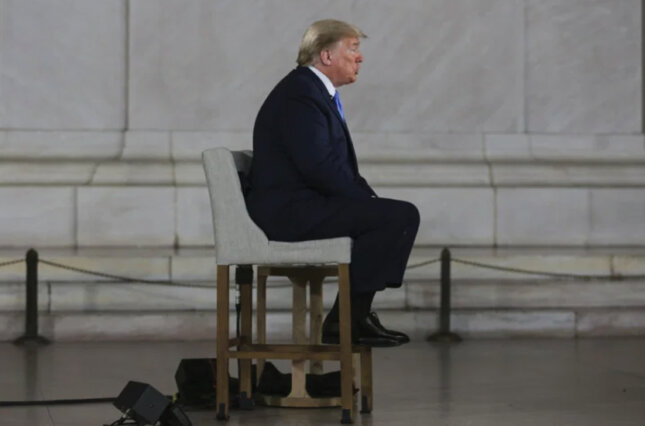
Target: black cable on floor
56 402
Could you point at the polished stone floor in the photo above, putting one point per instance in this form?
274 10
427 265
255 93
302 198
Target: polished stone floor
478 383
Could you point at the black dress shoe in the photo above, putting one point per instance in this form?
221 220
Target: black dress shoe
364 332
398 335
370 334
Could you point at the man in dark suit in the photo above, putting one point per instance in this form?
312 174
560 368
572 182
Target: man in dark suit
305 183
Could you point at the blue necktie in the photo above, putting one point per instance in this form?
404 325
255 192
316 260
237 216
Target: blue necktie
339 106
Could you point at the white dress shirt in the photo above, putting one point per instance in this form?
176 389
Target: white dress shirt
326 81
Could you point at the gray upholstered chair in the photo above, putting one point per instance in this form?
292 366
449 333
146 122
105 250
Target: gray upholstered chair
239 241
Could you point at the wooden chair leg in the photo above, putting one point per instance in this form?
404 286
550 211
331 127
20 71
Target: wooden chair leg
346 371
299 336
366 381
315 318
261 313
246 327
222 342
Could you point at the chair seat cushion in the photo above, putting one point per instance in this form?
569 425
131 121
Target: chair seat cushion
331 250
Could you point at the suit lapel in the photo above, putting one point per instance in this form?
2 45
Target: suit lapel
332 105
328 99
348 137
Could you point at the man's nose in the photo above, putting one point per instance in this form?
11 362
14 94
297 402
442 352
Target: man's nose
359 58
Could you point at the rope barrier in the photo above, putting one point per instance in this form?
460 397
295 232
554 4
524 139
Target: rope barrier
119 278
424 263
122 279
551 274
11 262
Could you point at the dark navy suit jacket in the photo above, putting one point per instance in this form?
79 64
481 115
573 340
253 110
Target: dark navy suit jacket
303 159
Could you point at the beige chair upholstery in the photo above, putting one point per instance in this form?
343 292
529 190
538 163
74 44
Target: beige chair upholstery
238 240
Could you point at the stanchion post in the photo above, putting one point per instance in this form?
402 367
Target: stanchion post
31 309
444 334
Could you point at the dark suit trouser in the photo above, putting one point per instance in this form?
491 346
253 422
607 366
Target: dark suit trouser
383 232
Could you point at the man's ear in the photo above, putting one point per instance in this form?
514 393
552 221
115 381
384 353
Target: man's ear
325 57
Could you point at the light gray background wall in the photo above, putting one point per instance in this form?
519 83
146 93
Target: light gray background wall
509 122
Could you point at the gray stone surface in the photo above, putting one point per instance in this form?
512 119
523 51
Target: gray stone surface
194 217
539 216
500 323
49 145
517 294
426 175
507 147
141 145
114 261
89 296
611 322
439 66
559 174
199 268
114 216
46 173
588 149
14 272
583 66
133 173
629 265
414 147
188 146
617 216
12 296
596 147
12 325
543 260
189 174
81 326
33 216
450 216
63 64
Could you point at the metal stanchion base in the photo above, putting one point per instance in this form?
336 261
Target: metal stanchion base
32 341
444 337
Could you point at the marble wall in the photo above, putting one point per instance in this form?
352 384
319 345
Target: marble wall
63 64
509 122
583 66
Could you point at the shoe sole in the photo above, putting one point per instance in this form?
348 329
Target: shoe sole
333 340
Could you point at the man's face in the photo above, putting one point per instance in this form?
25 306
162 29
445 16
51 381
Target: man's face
344 61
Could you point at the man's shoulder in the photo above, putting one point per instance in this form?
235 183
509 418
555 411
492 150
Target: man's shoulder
298 85
302 81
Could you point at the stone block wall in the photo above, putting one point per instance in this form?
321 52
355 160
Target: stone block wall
508 122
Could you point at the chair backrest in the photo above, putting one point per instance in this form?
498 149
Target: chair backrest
236 235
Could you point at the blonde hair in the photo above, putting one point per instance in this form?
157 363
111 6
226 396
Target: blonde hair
323 34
